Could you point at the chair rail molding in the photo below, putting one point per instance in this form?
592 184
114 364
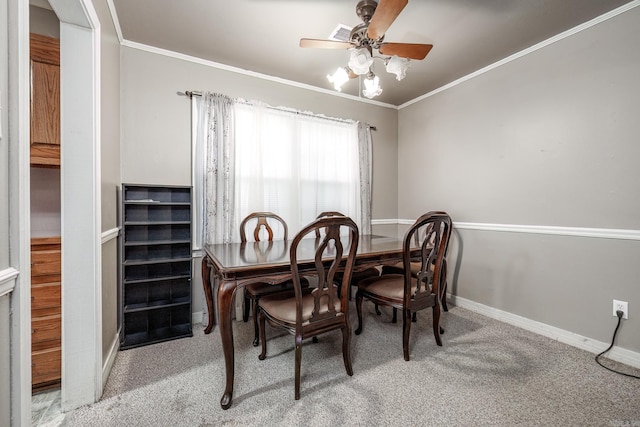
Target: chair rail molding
602 233
8 280
110 235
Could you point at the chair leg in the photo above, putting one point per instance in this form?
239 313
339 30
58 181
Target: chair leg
443 292
443 299
256 339
394 319
297 368
359 311
263 340
247 306
414 317
346 350
436 324
378 312
406 329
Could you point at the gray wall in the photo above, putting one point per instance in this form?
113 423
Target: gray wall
44 22
550 139
156 123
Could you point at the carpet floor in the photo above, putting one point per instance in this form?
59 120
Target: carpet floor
487 373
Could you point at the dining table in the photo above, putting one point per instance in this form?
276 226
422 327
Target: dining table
235 265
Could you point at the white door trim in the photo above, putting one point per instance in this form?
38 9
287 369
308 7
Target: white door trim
81 202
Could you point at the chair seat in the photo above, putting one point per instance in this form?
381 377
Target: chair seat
399 268
390 286
283 307
262 289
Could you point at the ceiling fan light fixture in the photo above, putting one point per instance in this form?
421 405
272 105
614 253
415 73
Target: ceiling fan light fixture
360 60
371 86
398 66
339 77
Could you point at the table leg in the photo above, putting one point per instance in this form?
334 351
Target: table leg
208 293
225 305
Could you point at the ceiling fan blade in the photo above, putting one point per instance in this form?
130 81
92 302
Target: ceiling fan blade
324 44
406 50
386 12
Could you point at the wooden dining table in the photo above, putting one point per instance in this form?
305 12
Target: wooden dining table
236 265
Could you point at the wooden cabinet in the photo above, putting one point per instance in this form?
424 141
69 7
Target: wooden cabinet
46 320
45 101
155 263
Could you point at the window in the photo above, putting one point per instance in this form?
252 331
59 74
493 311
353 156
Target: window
294 165
249 158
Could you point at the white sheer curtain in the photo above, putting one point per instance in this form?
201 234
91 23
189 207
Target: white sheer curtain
213 155
214 163
365 162
297 165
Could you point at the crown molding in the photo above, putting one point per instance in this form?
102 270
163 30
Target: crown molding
114 19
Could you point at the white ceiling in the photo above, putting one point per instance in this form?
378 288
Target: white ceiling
263 35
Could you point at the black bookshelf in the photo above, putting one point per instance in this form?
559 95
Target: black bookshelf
155 264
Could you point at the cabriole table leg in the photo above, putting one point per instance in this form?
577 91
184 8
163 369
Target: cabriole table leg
226 292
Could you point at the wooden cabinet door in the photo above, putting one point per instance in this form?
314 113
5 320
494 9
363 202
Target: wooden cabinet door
45 101
46 319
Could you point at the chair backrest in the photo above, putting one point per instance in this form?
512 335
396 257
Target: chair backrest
431 252
330 251
325 214
262 220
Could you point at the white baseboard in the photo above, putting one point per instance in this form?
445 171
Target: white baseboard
618 354
108 363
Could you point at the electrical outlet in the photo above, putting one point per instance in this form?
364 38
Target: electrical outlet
622 306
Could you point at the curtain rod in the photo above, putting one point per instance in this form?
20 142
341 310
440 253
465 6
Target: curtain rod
192 93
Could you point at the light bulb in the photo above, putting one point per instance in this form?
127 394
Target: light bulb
339 77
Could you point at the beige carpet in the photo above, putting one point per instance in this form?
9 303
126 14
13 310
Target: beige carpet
486 374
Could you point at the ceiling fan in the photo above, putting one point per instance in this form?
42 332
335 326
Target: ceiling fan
377 17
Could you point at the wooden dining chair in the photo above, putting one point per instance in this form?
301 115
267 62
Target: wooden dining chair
254 291
357 275
324 309
415 268
409 293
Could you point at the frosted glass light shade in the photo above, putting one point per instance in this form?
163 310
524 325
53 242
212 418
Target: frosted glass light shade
371 86
360 60
398 66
